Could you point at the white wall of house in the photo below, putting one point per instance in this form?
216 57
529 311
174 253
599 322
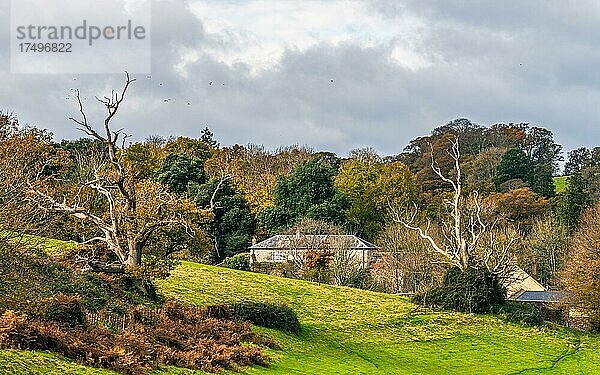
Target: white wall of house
363 257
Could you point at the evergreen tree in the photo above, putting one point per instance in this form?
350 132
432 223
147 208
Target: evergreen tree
541 181
573 201
233 224
178 170
514 165
308 192
208 138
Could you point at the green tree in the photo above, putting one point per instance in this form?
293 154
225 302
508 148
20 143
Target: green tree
540 147
178 170
578 159
208 138
573 201
541 181
371 185
274 219
309 192
233 224
184 164
86 146
514 165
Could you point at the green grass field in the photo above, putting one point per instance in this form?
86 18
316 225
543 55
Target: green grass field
560 184
348 331
49 245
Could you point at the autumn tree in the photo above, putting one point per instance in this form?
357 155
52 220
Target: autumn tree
317 263
135 209
371 184
254 170
475 139
26 153
519 207
481 170
582 266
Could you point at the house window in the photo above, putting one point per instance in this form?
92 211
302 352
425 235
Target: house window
278 256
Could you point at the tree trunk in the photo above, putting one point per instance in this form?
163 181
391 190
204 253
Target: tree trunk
134 259
134 254
97 266
145 287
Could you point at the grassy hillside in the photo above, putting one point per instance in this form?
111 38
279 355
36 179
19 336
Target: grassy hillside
347 331
352 331
50 246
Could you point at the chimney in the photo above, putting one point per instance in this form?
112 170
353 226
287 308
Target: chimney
253 240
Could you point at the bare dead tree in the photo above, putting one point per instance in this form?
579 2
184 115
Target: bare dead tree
124 229
462 233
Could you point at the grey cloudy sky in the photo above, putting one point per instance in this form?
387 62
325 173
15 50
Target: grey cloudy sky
399 69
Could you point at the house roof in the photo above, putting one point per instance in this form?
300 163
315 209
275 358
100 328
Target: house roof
519 281
541 296
313 241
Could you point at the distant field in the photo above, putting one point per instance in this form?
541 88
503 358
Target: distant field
348 331
560 183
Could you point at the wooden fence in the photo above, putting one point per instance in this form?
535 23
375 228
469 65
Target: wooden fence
122 321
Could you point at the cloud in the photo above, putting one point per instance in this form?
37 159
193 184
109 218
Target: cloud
258 33
398 70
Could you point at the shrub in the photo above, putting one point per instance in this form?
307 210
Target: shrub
361 279
65 310
516 312
237 262
218 311
261 314
176 336
474 290
268 315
